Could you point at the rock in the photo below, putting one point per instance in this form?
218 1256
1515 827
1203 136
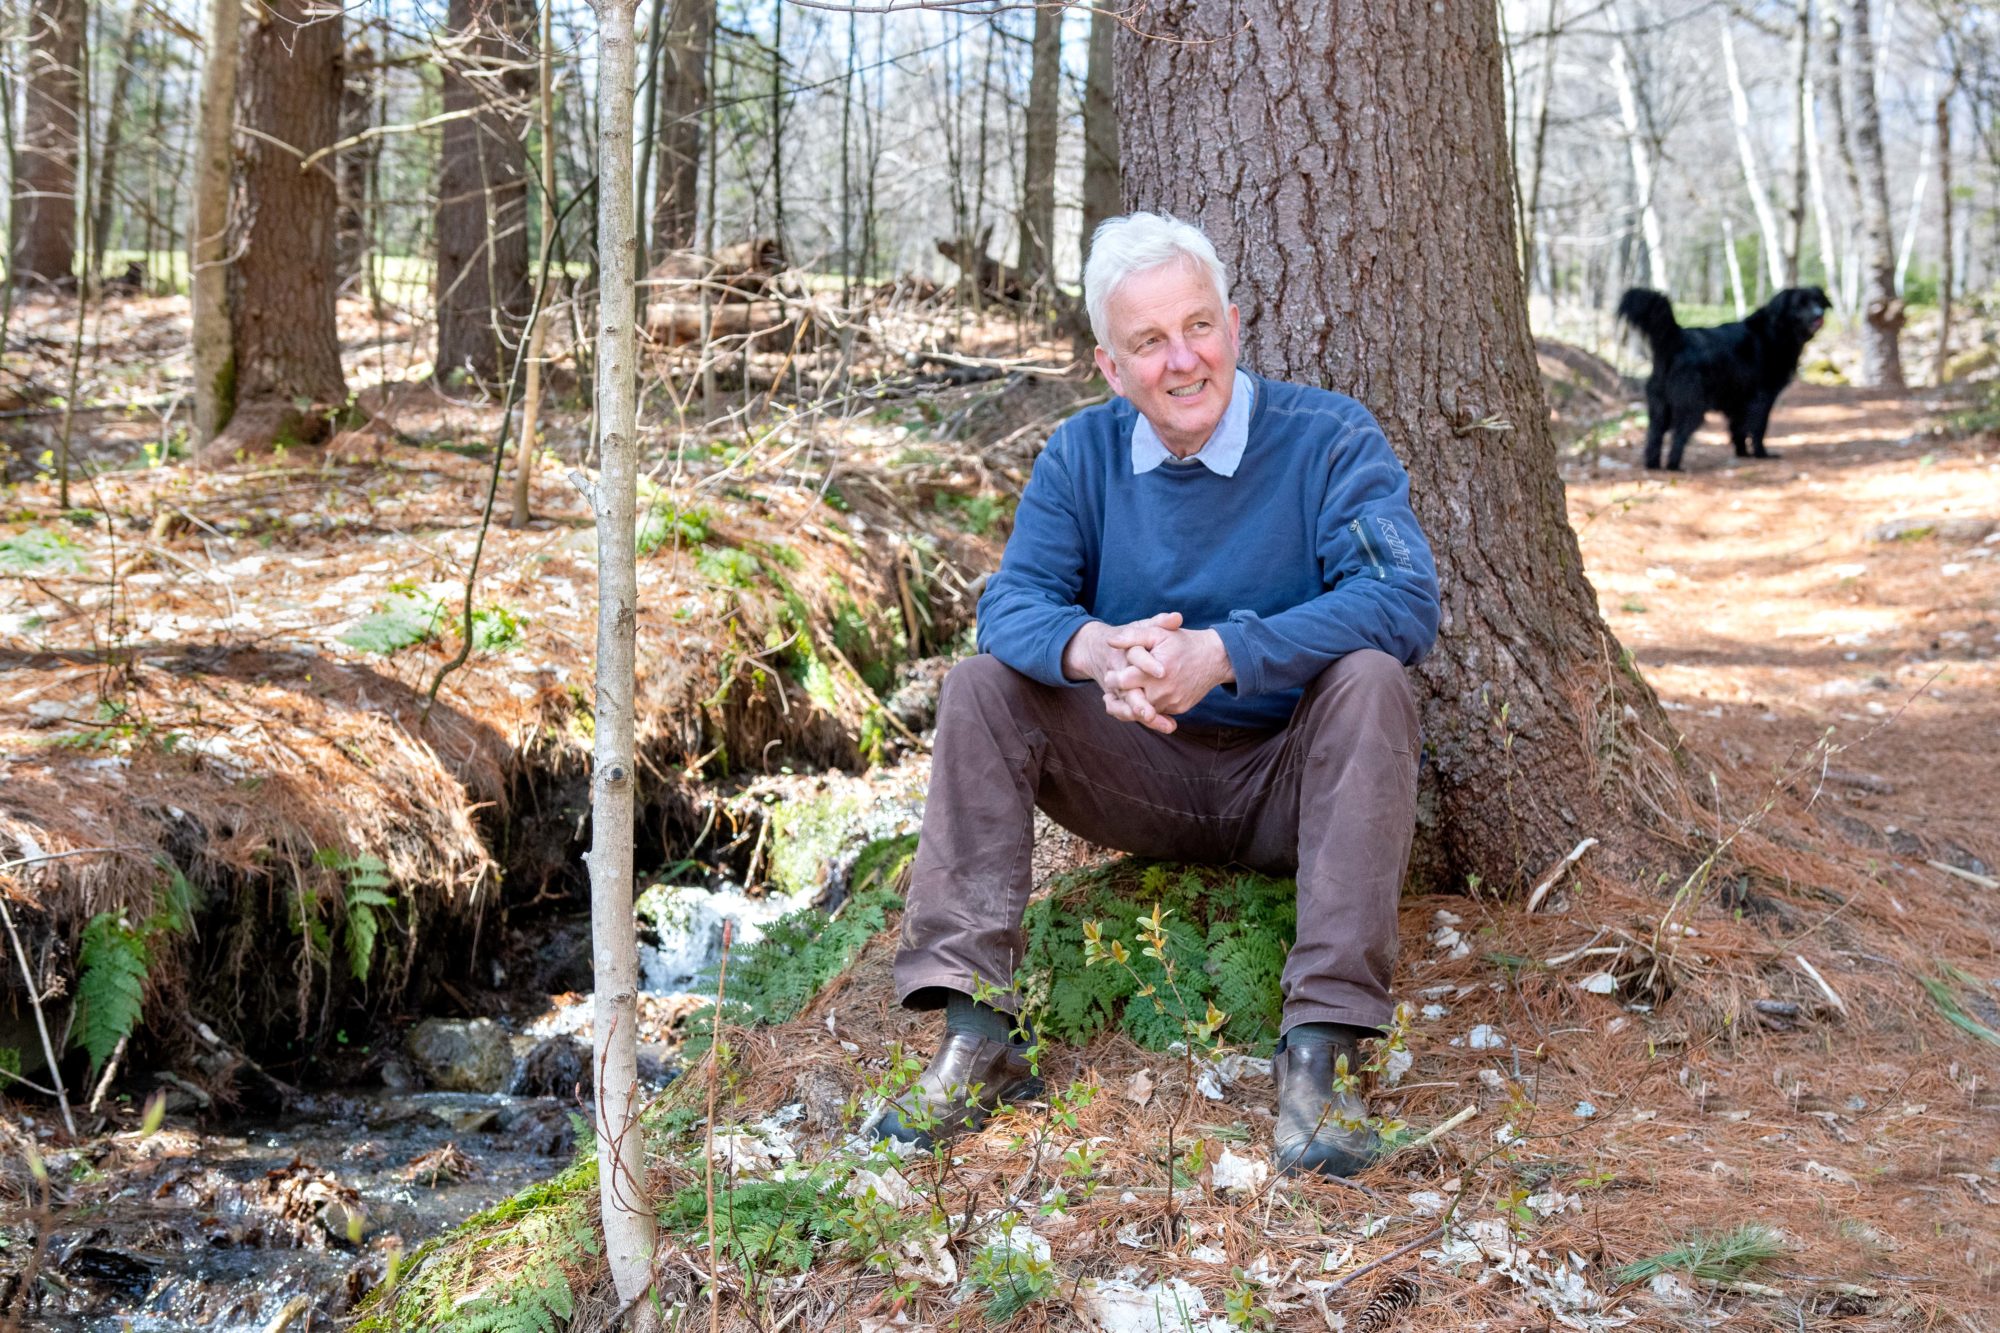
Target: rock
1917 527
344 1220
823 1093
915 700
656 1064
462 1055
396 1077
557 1067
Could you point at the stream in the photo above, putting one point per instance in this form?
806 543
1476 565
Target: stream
246 1224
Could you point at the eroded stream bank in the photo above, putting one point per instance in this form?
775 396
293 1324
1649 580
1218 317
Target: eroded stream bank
230 1217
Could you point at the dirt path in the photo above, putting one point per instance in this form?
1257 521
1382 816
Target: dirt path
1756 601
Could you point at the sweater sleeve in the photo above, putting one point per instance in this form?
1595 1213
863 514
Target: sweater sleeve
1380 579
1031 607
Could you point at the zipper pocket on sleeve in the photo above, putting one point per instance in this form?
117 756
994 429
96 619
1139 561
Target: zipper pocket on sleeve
1367 547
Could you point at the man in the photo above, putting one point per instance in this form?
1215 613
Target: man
1233 564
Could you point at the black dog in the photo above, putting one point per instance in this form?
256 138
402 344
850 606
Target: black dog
1735 369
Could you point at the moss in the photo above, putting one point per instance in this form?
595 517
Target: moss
809 835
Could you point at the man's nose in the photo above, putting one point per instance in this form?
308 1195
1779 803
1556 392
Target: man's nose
1180 355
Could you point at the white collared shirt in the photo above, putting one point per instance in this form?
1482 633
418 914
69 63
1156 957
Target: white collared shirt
1223 450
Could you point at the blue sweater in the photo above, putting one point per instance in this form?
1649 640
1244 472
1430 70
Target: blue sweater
1308 553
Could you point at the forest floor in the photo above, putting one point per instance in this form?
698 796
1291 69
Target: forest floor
1797 1029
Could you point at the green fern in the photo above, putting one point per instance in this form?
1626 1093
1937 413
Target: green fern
1228 935
111 992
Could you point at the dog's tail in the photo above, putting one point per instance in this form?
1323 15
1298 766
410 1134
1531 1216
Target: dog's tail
1653 316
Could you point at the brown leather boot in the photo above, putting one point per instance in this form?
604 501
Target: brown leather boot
966 1079
1318 1129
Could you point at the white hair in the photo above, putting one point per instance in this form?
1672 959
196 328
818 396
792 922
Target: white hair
1136 242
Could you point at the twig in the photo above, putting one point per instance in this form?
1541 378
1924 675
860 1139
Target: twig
1549 880
286 1317
1983 881
41 1022
1440 1131
708 1155
110 1072
1820 981
1433 1234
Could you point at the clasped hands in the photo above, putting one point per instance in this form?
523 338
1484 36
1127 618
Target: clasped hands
1150 670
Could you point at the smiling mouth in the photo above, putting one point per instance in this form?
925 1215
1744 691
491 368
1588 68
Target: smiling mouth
1188 390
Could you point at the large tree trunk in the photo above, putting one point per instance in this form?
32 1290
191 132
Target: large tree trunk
1882 309
621 1161
284 339
482 232
1101 198
208 231
1363 201
46 159
683 97
1038 150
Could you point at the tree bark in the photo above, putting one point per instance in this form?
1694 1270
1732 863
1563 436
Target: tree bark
538 335
356 169
114 132
482 232
683 98
1882 309
1101 198
46 159
1945 257
283 334
1363 201
1795 207
1038 151
621 1164
1843 143
208 232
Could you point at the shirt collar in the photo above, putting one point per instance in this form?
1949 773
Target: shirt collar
1224 450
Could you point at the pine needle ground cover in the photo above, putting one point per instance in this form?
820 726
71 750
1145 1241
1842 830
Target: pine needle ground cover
1615 1157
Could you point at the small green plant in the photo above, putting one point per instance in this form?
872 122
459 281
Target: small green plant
1711 1256
1223 936
407 617
115 960
975 514
367 879
495 629
1013 1275
663 522
40 551
1240 1306
728 566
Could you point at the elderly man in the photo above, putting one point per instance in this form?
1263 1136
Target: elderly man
1231 562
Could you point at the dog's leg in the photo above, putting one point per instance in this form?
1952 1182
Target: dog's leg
1759 421
1736 437
1656 429
1685 426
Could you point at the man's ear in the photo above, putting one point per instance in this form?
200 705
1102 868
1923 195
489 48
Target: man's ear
1235 341
1108 367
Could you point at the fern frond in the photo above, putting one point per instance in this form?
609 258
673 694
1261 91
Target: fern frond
111 991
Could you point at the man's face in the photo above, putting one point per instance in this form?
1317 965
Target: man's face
1173 351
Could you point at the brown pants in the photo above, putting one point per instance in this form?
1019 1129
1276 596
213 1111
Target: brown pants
1330 798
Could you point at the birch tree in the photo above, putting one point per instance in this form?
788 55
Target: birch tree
1882 311
1753 174
1637 145
621 1165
